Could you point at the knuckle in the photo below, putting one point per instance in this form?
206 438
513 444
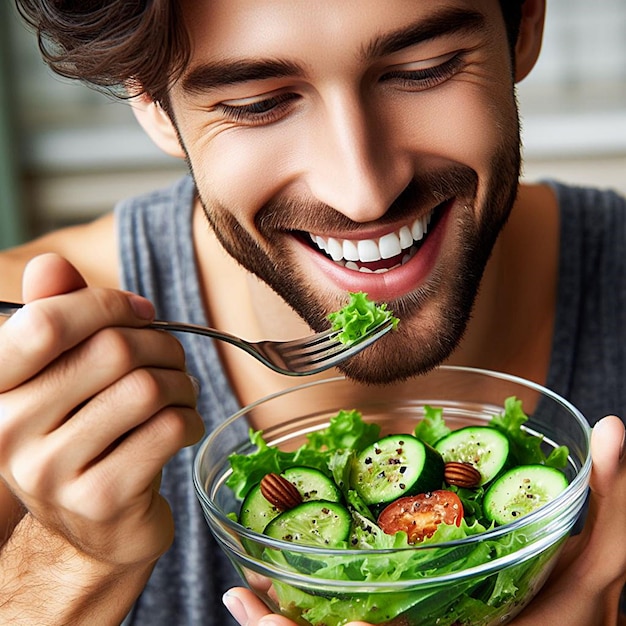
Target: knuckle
46 332
32 475
144 384
113 346
92 500
169 425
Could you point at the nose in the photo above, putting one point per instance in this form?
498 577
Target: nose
353 164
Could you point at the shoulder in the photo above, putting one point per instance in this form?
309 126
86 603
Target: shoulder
90 247
588 200
94 248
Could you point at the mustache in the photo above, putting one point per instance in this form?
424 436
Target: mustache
425 190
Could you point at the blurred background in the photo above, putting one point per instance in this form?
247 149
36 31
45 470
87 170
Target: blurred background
68 153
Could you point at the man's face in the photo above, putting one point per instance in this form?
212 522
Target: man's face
356 146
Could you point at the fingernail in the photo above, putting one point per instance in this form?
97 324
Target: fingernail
143 308
236 608
195 383
267 620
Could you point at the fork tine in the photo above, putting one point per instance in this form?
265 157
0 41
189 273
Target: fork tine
302 343
334 351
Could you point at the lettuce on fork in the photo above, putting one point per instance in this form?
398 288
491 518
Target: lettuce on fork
359 316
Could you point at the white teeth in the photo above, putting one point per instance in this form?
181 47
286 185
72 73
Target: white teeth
350 251
368 250
321 242
417 230
406 239
335 249
390 245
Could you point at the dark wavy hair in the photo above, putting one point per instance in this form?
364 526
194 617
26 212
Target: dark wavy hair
111 43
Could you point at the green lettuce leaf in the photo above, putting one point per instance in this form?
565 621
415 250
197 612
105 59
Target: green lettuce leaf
328 450
359 316
433 427
525 447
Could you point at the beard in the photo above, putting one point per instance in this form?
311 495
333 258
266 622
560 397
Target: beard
434 316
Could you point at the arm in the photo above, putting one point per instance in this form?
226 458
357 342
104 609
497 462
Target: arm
585 586
93 405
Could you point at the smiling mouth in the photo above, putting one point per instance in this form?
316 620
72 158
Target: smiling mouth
380 255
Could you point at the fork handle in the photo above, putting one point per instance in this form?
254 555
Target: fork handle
8 308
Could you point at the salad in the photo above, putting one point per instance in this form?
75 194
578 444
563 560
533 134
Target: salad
349 488
359 316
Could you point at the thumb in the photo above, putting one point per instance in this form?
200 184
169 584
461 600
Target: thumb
607 442
49 275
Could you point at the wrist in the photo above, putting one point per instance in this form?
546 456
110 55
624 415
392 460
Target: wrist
45 579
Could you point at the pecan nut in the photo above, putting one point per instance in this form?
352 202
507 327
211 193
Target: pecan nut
461 474
280 492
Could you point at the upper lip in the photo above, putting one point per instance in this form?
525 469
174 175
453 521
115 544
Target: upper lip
388 245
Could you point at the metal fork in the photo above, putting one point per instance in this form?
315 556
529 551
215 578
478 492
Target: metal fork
299 357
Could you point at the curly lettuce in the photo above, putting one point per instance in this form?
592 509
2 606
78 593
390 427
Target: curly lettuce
359 316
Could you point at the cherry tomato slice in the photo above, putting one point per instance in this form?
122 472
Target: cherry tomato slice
420 515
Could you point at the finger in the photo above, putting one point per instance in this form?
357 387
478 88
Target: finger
43 329
119 409
249 610
126 473
139 439
107 356
48 275
607 444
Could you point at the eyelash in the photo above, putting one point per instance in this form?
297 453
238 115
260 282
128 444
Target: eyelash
418 80
272 109
261 111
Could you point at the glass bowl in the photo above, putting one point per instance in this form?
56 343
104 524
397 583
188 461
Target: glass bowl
480 580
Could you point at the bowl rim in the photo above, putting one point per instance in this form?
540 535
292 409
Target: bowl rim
574 489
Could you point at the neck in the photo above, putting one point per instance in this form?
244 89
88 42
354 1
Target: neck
512 323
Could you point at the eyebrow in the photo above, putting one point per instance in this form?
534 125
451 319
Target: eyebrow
221 73
450 21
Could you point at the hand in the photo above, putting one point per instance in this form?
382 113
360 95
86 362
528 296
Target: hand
92 406
585 586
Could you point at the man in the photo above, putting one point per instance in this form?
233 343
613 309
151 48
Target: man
318 135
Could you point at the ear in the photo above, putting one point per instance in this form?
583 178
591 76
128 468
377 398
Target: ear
157 124
530 36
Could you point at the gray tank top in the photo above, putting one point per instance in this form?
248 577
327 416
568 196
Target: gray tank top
157 259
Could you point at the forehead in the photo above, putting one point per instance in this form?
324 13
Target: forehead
321 29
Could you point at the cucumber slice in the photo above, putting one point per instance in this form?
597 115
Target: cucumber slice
313 523
486 448
522 490
396 466
312 484
257 512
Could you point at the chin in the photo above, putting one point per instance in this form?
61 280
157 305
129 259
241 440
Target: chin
395 357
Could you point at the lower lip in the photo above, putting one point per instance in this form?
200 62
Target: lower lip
396 282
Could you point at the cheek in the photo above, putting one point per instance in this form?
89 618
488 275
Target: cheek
242 171
469 125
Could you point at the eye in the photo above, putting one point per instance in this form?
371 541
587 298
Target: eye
258 111
419 78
